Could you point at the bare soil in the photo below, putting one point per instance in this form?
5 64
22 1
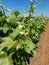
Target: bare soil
42 52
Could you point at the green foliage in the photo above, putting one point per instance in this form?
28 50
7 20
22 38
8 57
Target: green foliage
15 12
19 35
5 60
18 38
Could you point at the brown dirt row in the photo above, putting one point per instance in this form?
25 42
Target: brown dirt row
42 52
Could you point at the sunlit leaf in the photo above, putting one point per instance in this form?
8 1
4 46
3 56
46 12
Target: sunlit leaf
5 60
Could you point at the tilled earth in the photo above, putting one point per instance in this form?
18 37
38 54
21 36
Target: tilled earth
42 52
